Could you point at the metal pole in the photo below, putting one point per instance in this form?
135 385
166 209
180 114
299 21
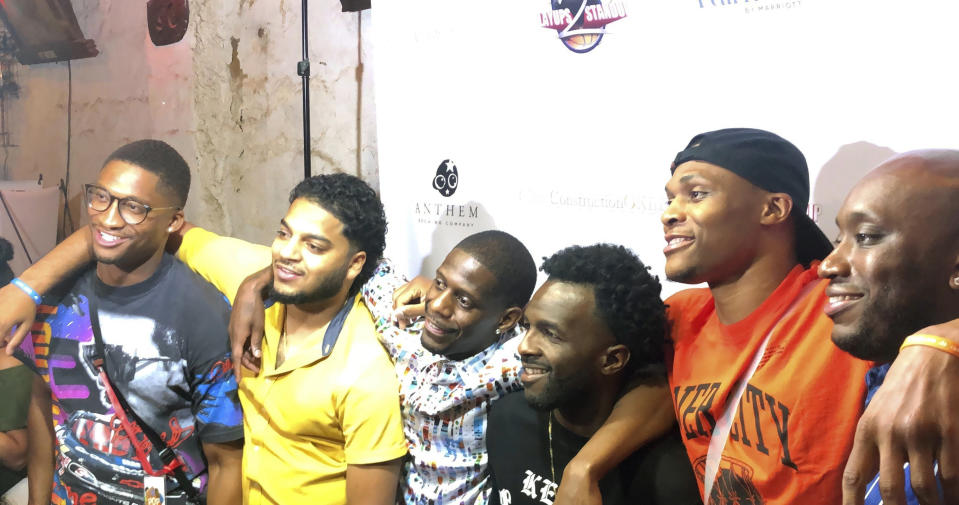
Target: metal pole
303 70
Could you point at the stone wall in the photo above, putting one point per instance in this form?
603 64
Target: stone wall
227 97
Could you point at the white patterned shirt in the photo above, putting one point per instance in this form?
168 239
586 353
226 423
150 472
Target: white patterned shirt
445 403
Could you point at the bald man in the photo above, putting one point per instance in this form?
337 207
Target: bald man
895 271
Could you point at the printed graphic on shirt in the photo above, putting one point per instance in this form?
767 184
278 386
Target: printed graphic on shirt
733 484
751 427
97 462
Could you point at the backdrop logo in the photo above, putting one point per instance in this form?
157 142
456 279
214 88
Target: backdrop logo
447 178
581 24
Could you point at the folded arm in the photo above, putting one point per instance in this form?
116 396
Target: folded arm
373 484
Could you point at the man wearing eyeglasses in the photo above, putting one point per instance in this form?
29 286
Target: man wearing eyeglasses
164 353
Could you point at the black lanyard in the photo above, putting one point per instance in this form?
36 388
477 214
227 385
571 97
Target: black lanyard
172 464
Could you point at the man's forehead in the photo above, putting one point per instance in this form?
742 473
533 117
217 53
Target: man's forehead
469 272
559 300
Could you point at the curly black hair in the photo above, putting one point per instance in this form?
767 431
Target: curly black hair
508 260
158 157
627 298
355 204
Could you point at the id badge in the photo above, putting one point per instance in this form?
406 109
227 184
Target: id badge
154 490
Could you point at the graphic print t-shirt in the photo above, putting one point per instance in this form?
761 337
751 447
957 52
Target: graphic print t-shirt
521 447
167 353
794 425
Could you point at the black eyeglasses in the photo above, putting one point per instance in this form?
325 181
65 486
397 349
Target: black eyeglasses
131 211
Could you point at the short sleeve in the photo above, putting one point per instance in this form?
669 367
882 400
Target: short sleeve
216 406
370 412
223 261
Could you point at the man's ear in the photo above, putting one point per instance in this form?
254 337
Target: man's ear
176 222
615 359
356 265
954 276
777 208
508 320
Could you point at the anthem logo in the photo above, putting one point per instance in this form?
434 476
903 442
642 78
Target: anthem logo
581 24
447 178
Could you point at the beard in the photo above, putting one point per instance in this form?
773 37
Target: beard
328 287
881 331
560 392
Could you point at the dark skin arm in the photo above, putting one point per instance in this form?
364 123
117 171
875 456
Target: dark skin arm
373 484
19 310
910 418
40 438
224 465
68 257
640 416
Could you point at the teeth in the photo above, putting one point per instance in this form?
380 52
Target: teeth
678 240
108 238
535 371
843 298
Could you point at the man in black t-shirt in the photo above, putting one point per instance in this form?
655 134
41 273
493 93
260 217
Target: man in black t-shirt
594 326
164 347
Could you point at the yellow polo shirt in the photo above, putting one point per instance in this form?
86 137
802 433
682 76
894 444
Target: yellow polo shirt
306 420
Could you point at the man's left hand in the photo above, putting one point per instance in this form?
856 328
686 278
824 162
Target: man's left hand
912 418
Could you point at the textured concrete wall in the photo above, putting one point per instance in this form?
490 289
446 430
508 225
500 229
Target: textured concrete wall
227 97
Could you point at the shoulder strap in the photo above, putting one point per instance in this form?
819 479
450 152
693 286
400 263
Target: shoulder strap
717 443
172 464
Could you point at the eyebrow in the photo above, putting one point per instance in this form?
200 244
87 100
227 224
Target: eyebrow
128 197
307 236
682 180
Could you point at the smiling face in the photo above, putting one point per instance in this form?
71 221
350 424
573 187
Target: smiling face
463 311
890 273
710 224
133 249
564 350
312 259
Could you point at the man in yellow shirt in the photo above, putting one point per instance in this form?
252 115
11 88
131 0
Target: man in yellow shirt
322 419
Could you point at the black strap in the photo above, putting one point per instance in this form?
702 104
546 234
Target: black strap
167 455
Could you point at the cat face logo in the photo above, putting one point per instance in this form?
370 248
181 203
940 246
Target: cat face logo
447 178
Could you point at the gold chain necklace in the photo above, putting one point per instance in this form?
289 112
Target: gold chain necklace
549 434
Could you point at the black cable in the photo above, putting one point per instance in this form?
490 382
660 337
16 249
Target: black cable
67 216
303 70
15 229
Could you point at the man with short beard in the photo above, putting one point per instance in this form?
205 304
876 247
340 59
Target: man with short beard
322 420
895 271
596 324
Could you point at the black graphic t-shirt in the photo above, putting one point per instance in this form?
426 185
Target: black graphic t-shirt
519 460
167 353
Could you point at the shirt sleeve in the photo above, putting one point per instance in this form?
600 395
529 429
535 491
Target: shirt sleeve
216 406
370 410
223 261
378 297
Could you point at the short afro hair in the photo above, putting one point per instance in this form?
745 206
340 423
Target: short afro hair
158 157
355 204
509 261
627 298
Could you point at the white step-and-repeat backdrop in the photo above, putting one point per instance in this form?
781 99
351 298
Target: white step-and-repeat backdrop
557 120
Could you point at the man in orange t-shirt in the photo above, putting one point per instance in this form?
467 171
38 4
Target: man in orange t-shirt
767 406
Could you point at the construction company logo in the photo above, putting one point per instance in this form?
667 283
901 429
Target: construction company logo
447 178
581 24
751 6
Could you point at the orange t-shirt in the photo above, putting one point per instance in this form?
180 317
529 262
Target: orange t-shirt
797 417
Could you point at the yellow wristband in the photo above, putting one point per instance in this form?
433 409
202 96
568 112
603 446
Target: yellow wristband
933 341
